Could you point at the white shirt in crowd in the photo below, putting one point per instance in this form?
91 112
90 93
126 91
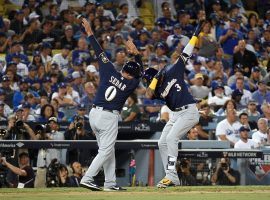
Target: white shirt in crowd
250 144
246 97
230 130
259 137
217 100
62 62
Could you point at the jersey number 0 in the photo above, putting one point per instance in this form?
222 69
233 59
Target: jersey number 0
110 93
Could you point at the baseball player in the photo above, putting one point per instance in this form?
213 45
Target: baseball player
114 88
169 85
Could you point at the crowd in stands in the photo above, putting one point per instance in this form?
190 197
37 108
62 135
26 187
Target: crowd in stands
49 73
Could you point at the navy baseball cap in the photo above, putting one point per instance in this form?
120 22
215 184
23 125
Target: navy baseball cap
177 26
243 128
233 20
216 2
23 80
46 79
197 62
46 45
11 63
78 62
237 92
36 53
32 68
81 107
67 46
161 45
16 55
26 105
62 85
255 69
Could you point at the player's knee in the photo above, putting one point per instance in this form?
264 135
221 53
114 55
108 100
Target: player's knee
106 152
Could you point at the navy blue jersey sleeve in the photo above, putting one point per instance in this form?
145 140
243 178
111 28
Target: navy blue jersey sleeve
105 64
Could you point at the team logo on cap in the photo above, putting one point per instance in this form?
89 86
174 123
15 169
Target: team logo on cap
104 57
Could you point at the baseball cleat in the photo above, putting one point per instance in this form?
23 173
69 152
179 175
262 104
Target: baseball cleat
91 185
114 188
164 183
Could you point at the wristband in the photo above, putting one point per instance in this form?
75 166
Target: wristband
153 84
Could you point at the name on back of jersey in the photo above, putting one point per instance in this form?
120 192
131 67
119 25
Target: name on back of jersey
117 83
169 86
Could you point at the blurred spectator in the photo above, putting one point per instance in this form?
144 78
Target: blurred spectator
224 174
120 59
16 48
77 173
47 111
265 108
198 90
82 52
64 179
47 35
78 131
245 142
29 38
183 19
206 116
227 129
138 25
17 23
244 57
186 172
218 72
206 44
167 19
261 95
230 37
88 96
62 59
177 37
261 136
197 68
229 104
45 52
55 134
131 112
192 134
67 38
6 108
244 120
251 109
240 85
77 83
25 173
8 92
18 97
255 78
218 99
21 68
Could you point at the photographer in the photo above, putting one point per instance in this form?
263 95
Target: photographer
76 131
25 172
77 174
185 172
224 175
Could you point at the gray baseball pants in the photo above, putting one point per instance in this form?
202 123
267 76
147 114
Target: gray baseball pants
178 125
105 126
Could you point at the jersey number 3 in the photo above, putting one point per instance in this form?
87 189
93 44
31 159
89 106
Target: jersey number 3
110 93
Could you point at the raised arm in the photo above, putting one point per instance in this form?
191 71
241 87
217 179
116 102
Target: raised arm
132 49
97 48
187 52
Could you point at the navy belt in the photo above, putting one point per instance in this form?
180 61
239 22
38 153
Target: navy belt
181 108
99 107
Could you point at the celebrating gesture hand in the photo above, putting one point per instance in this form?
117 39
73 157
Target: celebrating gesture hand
87 27
131 48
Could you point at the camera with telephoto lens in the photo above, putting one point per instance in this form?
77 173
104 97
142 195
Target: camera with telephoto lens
224 166
52 174
77 123
3 132
19 124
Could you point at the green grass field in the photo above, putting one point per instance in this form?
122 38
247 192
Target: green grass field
141 193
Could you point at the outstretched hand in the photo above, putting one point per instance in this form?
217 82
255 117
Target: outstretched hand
87 27
131 48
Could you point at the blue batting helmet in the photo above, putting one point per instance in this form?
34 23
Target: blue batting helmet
133 68
148 75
